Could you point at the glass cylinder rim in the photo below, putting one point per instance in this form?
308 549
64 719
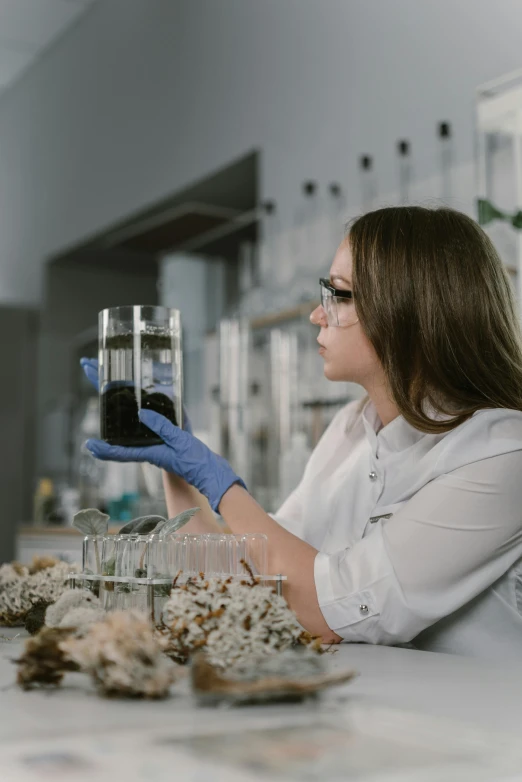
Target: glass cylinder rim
126 311
216 535
142 537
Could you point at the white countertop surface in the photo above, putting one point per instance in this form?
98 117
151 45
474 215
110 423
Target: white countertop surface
485 695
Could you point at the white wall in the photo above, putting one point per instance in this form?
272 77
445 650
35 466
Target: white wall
144 96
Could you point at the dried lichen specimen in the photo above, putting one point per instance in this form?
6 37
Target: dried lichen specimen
233 621
42 563
69 600
18 568
12 606
290 675
43 661
35 618
20 589
82 617
10 573
123 656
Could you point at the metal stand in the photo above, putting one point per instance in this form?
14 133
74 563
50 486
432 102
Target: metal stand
151 583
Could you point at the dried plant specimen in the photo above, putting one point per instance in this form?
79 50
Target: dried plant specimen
123 656
69 600
35 618
291 675
233 621
10 573
43 662
82 617
21 590
42 563
19 569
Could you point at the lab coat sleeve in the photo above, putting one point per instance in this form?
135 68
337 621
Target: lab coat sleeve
455 538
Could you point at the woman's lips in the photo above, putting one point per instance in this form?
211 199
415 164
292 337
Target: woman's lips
322 349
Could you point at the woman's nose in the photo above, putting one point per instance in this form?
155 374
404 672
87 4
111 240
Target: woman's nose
318 317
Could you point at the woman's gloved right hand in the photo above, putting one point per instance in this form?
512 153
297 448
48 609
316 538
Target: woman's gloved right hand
90 368
181 453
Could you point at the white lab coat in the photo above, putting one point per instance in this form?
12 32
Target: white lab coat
419 535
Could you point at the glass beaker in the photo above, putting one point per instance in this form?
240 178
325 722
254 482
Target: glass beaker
140 367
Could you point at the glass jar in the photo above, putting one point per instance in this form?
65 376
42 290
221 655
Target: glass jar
140 367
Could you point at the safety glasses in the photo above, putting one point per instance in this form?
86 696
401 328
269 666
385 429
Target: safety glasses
338 305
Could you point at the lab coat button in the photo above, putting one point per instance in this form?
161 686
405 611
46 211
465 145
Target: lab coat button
372 476
363 609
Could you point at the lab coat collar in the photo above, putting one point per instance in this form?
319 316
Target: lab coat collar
395 436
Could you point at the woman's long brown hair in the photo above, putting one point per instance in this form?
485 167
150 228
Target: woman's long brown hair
437 305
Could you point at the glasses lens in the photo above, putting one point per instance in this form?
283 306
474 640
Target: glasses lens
328 306
339 311
345 313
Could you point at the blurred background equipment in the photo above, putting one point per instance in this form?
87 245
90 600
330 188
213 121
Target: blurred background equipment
446 159
368 183
499 168
405 173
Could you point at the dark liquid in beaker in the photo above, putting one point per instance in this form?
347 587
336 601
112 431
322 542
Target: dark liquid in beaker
119 420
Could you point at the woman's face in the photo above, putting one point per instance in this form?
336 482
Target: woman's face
348 355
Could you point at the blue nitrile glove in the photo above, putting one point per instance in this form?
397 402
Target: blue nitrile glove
182 454
90 367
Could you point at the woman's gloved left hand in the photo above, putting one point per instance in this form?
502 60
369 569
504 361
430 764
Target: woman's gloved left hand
182 454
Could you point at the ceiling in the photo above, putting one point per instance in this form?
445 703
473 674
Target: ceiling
28 28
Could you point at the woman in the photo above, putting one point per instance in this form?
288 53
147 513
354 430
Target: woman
407 525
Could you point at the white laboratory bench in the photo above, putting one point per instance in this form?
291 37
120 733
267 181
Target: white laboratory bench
72 733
